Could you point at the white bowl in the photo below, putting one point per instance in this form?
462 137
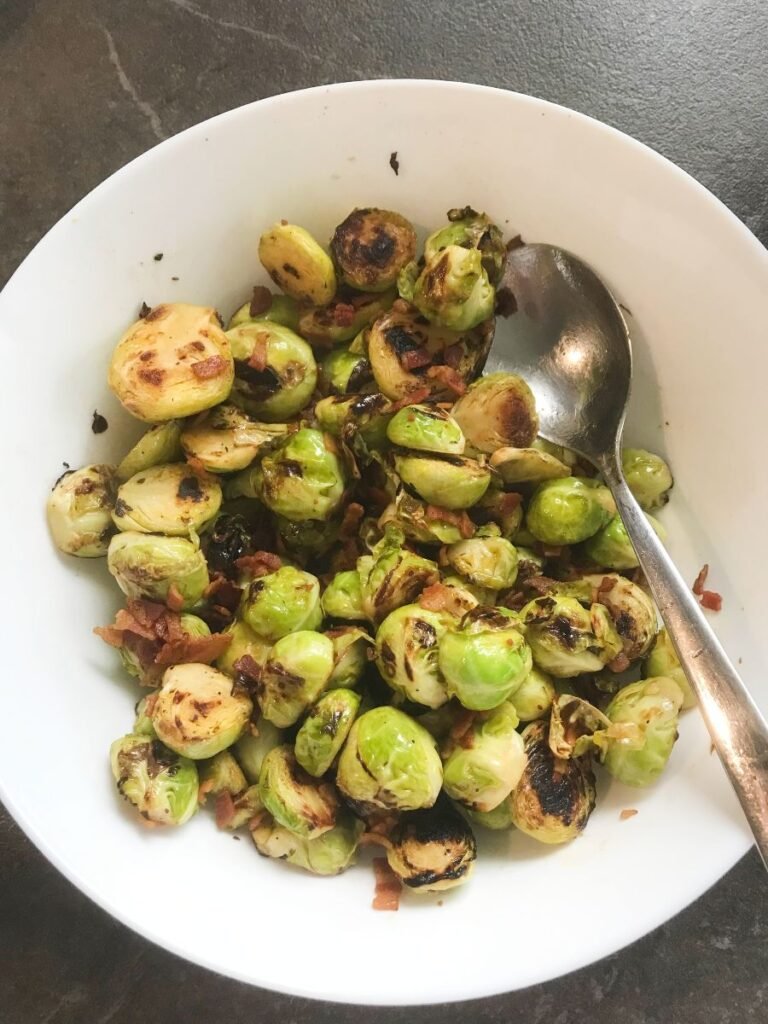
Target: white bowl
696 282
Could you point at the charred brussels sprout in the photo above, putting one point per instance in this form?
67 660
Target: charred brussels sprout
566 639
243 643
486 561
162 786
631 610
79 511
611 547
648 477
275 371
343 372
222 774
167 499
226 440
278 309
389 761
644 717
370 248
294 799
350 655
352 415
146 669
149 565
328 854
471 230
198 711
344 318
498 410
576 726
554 798
432 850
449 481
324 730
160 444
227 540
407 644
565 511
453 289
662 660
426 428
392 576
254 745
303 478
343 597
485 660
533 698
296 673
424 523
297 264
308 538
174 362
282 602
527 465
483 768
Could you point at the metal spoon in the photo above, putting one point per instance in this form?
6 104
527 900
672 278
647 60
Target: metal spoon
572 346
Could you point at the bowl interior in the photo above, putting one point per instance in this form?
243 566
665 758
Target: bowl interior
694 283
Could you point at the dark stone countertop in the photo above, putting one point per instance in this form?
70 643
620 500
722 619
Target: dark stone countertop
89 84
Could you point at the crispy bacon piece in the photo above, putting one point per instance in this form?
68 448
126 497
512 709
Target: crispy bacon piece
452 356
415 358
628 812
196 465
343 314
258 358
620 663
412 398
227 593
388 886
248 669
540 584
461 730
210 367
225 809
437 597
701 579
711 600
174 598
261 300
447 376
509 501
201 649
260 563
353 513
445 515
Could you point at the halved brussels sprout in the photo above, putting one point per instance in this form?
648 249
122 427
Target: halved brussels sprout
246 808
566 639
254 745
503 508
648 711
293 798
343 597
483 768
343 372
297 264
426 428
325 729
295 674
79 511
472 230
648 477
533 698
199 711
485 660
498 820
406 653
527 465
432 850
466 595
611 546
142 724
222 774
498 410
350 654
138 656
392 575
370 247
174 362
328 854
389 761
226 440
162 786
565 511
554 798
309 538
282 309
160 444
424 523
282 602
243 643
453 289
344 416
149 565
485 561
576 726
304 477
344 318
167 499
632 611
449 481
662 660
275 371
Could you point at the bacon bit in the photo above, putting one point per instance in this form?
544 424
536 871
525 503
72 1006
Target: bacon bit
258 358
701 579
412 398
445 515
203 790
249 669
388 886
343 314
453 355
415 358
541 584
144 311
510 502
437 598
447 376
620 663
225 809
210 367
261 301
353 513
606 584
514 601
174 598
460 731
375 839
260 563
200 649
549 551
196 465
401 306
711 600
227 593
628 812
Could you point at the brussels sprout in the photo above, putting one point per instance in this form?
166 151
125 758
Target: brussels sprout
149 565
343 598
254 745
167 499
565 511
502 508
486 561
631 610
350 655
246 808
566 639
199 711
426 428
648 712
497 411
328 854
662 660
344 318
222 774
432 850
471 230
309 538
453 289
282 602
485 659
159 445
350 415
575 726
161 785
140 662
282 310
483 769
533 698
297 264
174 362
389 761
527 465
231 536
275 371
296 673
293 798
648 477
303 478
324 730
142 725
498 820
79 511
467 596
392 576
406 653
243 643
371 246
449 481
611 546
554 798
343 372
225 440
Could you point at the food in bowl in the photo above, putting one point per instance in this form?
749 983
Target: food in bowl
368 602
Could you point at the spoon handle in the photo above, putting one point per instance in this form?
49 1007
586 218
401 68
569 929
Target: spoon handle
738 730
